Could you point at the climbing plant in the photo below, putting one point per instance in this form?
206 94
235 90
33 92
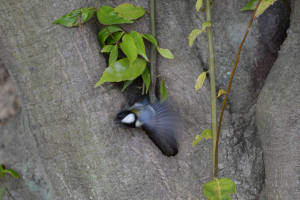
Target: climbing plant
219 188
4 171
113 39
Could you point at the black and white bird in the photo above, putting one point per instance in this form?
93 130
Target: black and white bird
158 122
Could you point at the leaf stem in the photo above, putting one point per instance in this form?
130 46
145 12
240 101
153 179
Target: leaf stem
7 190
212 85
152 95
96 4
112 35
228 89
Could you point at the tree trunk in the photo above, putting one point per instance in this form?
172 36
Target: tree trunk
64 142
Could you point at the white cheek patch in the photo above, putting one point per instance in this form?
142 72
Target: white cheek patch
138 123
128 119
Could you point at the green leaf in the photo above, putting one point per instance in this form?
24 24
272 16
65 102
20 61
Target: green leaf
149 38
198 5
219 189
129 48
200 81
2 191
117 37
193 36
126 84
130 12
103 34
139 42
113 55
146 78
11 172
121 71
107 16
205 25
206 134
1 171
196 32
71 19
221 92
107 48
250 5
261 8
165 53
163 90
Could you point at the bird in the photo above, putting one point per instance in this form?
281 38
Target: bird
157 120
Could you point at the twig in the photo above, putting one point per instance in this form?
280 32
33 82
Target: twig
152 95
228 89
112 36
7 190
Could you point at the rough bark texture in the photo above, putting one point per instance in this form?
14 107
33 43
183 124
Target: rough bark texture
64 142
278 118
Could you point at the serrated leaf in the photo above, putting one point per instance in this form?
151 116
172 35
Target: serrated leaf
113 55
219 189
71 19
250 5
129 48
11 172
221 92
130 12
149 38
165 53
107 48
107 16
146 78
117 37
139 42
199 4
2 191
163 90
121 71
200 81
126 84
103 33
206 134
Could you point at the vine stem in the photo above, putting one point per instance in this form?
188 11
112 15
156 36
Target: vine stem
212 83
228 89
7 190
112 35
152 95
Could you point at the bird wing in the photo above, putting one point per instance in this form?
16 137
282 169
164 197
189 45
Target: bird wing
159 124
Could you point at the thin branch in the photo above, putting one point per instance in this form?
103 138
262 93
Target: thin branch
228 89
213 97
152 95
112 36
7 190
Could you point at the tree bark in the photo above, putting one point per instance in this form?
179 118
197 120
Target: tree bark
278 118
64 142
